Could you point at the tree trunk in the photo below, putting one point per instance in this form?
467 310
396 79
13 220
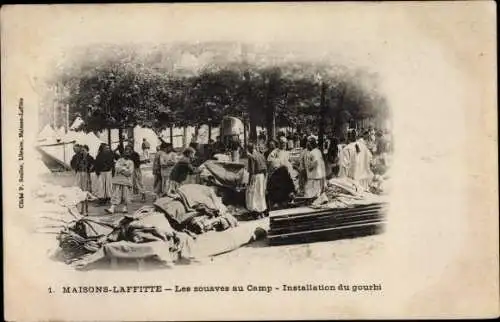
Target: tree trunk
244 134
109 138
340 121
196 133
270 111
251 110
272 128
172 135
209 132
184 136
130 136
253 126
322 115
120 138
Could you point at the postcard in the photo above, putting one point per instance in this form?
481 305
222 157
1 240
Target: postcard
253 161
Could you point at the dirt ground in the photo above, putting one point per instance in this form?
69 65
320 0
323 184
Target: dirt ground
327 256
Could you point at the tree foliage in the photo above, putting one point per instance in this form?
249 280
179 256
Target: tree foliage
125 89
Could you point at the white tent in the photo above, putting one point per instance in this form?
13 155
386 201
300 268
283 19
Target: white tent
76 123
60 133
60 145
47 135
61 150
93 142
74 136
82 138
89 139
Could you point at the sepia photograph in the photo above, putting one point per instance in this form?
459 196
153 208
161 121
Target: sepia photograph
208 147
287 160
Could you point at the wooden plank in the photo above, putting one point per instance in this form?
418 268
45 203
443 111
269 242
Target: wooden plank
325 214
324 217
308 210
302 219
325 211
325 230
345 233
320 226
332 223
325 221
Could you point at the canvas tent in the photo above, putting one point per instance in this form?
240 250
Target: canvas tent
82 138
74 136
93 142
76 123
47 135
60 152
61 131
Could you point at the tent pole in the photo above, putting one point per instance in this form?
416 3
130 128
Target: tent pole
184 136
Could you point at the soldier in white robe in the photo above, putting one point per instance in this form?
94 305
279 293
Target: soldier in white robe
256 190
363 173
315 171
348 157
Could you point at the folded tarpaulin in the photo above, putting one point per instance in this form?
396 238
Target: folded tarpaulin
206 245
174 209
182 207
194 195
226 174
145 225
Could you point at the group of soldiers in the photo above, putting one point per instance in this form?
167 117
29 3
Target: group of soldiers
118 174
271 170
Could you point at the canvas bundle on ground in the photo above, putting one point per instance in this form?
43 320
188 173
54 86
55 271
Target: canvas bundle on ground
145 234
197 209
149 235
225 174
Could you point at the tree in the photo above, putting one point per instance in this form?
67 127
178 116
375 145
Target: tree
120 87
214 94
123 96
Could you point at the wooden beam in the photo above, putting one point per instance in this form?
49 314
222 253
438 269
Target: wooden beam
326 230
306 228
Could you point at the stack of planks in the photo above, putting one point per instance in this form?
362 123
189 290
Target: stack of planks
305 224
